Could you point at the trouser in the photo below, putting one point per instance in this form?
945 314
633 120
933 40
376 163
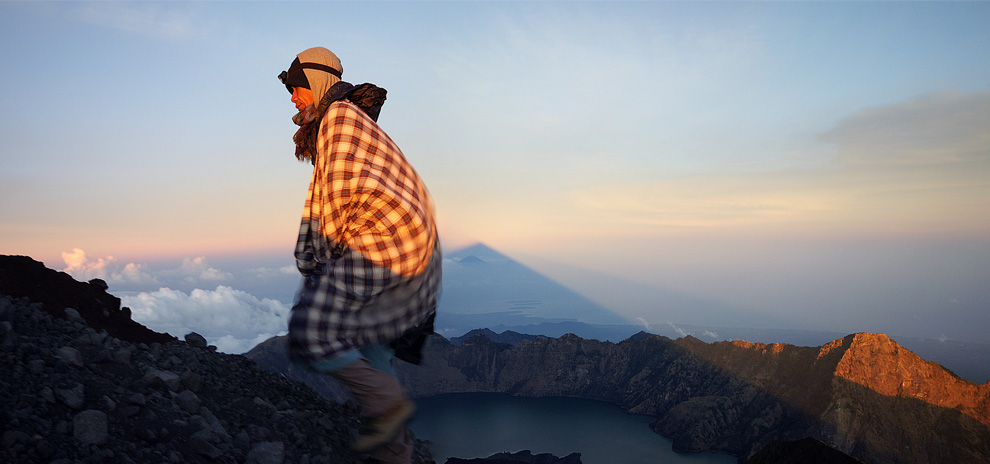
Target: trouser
371 379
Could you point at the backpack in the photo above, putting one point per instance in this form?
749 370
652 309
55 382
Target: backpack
368 97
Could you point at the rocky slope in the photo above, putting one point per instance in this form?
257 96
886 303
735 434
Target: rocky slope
71 392
803 451
21 276
863 394
521 457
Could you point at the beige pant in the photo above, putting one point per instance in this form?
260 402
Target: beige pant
377 391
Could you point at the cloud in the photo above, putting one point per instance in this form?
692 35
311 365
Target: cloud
677 329
194 269
642 321
142 18
919 165
82 268
940 128
234 320
262 272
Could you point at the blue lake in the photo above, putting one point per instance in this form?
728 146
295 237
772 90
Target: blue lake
472 425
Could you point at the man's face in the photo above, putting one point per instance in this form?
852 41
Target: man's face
302 97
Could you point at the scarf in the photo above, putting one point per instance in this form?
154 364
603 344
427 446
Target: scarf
308 121
368 97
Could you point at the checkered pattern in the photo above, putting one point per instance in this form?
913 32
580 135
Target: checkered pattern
367 242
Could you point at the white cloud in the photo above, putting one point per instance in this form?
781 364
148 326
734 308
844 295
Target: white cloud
133 272
272 271
677 329
231 319
82 268
197 268
192 271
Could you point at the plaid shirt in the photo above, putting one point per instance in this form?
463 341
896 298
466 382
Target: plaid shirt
367 242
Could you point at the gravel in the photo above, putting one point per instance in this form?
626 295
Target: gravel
70 394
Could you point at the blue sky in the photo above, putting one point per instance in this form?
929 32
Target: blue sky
817 165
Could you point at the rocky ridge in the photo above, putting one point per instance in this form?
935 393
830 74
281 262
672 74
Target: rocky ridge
21 276
521 457
72 393
803 451
862 394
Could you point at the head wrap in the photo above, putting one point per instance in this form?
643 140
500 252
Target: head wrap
316 69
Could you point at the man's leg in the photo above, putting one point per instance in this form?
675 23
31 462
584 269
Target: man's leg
399 450
386 409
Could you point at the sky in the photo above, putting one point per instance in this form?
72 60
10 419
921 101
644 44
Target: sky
804 165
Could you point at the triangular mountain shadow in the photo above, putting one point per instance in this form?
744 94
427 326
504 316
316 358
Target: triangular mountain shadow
479 281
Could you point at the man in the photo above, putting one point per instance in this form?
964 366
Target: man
368 250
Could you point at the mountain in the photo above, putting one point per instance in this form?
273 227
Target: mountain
863 394
968 360
510 337
76 389
484 288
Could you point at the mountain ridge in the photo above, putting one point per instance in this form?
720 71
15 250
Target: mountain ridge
483 288
862 394
736 397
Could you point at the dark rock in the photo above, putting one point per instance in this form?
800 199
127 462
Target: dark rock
123 356
521 457
266 453
188 401
13 437
45 449
72 315
90 427
71 394
70 355
191 380
201 444
159 379
196 340
804 451
36 366
138 399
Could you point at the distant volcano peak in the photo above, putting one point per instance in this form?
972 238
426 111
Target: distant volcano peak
483 287
478 251
472 261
